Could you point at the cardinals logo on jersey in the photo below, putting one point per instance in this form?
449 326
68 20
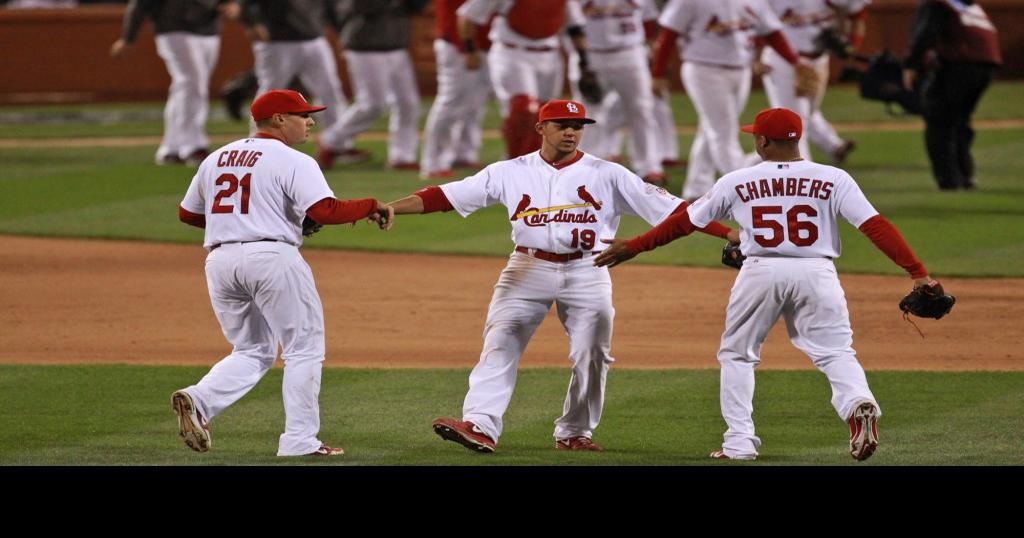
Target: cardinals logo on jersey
717 26
540 216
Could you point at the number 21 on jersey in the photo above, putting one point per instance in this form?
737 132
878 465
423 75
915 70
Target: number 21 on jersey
230 184
802 233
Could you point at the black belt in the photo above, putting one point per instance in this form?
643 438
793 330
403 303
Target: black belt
531 49
215 247
551 256
812 56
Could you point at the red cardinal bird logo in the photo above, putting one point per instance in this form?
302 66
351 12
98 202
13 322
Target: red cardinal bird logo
523 204
586 197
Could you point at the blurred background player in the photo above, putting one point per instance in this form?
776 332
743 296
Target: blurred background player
452 135
803 22
966 52
525 61
374 35
716 74
288 42
615 42
188 41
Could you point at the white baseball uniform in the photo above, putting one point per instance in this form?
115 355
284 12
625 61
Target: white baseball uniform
453 131
802 22
254 193
716 73
615 44
787 213
555 211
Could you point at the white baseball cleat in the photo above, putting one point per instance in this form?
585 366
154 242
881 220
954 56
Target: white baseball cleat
721 455
863 431
191 425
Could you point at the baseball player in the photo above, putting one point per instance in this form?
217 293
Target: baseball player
251 197
559 201
719 38
188 41
787 208
288 42
802 22
374 35
525 62
615 43
453 123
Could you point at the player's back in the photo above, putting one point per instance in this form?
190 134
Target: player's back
256 188
790 208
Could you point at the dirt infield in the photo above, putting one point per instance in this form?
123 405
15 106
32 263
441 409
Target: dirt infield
90 301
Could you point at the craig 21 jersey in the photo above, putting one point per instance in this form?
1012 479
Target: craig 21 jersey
255 188
565 209
785 208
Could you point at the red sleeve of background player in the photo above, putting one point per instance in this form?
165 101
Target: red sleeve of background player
778 42
887 238
334 211
857 37
650 30
434 199
190 218
662 49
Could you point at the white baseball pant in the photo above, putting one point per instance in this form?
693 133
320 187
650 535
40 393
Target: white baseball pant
522 298
380 80
807 294
523 72
626 74
453 129
278 62
263 295
190 59
719 94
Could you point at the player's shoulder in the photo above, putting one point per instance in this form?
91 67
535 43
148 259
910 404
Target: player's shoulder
597 164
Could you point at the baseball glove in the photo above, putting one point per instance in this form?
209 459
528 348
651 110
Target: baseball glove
807 82
732 256
590 88
310 227
929 301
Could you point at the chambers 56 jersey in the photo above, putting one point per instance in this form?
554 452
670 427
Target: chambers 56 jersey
786 208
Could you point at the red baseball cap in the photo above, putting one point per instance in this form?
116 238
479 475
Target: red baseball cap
281 102
561 109
776 124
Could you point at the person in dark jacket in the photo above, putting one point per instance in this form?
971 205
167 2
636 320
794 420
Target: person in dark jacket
955 47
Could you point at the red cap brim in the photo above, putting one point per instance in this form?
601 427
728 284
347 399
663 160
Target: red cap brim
747 128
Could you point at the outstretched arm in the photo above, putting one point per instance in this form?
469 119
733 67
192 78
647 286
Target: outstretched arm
426 200
334 211
675 226
888 239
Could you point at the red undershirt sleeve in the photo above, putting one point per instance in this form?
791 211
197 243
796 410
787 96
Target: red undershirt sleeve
650 30
778 42
857 38
334 211
675 226
190 218
434 199
662 49
888 239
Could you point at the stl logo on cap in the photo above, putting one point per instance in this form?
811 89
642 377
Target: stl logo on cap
560 109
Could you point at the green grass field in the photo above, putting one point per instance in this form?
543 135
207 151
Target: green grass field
120 415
